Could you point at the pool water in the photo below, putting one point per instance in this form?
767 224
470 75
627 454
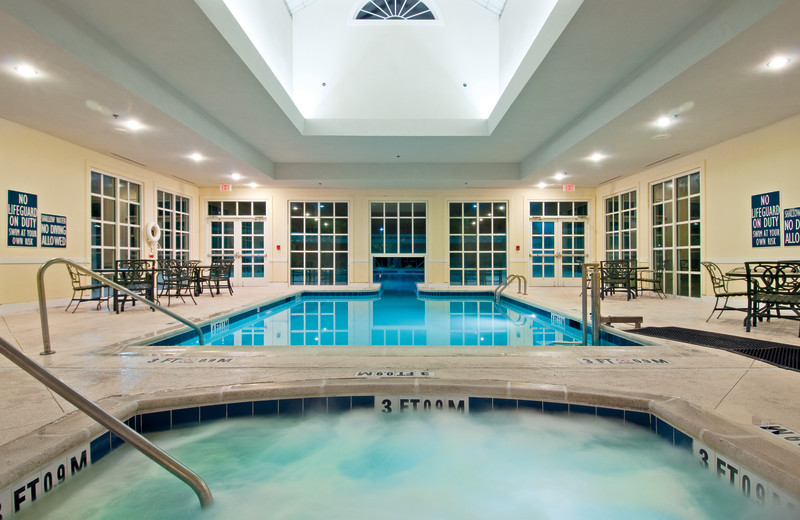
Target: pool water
396 318
365 465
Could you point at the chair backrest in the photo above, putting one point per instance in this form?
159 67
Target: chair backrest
75 276
615 270
717 278
135 271
780 277
221 269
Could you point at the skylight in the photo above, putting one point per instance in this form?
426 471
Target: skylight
495 6
395 10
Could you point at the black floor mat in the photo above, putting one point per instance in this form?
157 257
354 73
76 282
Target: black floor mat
778 354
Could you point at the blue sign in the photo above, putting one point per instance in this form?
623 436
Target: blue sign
791 227
23 216
54 230
766 219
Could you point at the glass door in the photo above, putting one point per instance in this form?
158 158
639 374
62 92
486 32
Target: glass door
558 242
237 230
243 241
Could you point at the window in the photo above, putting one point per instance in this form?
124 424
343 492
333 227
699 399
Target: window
676 233
318 241
173 219
115 220
558 239
395 10
621 226
398 227
478 239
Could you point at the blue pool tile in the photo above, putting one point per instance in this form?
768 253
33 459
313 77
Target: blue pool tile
682 440
665 431
576 409
363 401
265 407
313 405
100 447
240 409
533 406
555 407
480 404
156 422
504 404
638 418
290 406
185 417
611 412
338 404
213 412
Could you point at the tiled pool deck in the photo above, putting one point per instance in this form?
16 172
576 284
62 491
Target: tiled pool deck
703 391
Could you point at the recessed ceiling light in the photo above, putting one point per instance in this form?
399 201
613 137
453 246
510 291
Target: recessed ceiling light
253 185
664 121
235 176
541 185
778 62
597 157
25 70
133 124
196 157
559 175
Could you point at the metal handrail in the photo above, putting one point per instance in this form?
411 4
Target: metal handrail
113 424
105 281
510 278
593 289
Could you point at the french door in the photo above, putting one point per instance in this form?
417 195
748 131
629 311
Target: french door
558 242
244 241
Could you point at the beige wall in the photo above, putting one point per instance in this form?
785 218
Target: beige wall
57 172
765 160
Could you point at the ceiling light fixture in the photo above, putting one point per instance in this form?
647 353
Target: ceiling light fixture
541 185
133 124
597 157
664 121
235 176
253 185
196 157
559 175
26 71
778 62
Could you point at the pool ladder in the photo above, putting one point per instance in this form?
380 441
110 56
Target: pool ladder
589 285
521 289
113 424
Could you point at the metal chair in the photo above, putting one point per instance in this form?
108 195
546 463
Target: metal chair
81 284
176 279
137 276
721 290
772 288
651 280
220 271
617 274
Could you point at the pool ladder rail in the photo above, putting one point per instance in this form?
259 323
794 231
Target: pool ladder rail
104 281
522 285
113 424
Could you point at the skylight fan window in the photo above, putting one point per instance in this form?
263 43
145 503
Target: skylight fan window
395 10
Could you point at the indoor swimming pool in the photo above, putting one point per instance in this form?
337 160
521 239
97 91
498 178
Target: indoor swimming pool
364 464
394 317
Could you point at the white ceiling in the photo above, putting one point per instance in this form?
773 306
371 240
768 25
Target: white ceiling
616 67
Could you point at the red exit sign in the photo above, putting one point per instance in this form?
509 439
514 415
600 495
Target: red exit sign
224 187
569 187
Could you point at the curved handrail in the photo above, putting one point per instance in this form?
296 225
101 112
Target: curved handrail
113 424
510 278
105 281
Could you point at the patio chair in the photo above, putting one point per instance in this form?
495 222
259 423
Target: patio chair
219 271
81 285
617 274
773 289
176 280
137 276
651 280
721 290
